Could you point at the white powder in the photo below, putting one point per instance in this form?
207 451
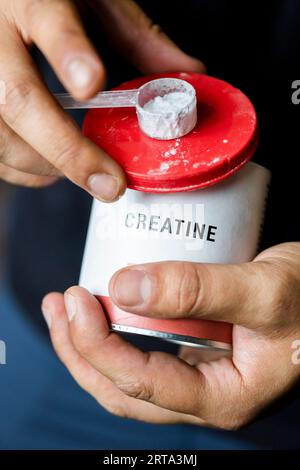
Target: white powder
168 105
169 117
164 167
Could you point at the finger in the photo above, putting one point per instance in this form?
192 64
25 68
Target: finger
157 378
230 293
55 27
19 178
106 393
139 39
35 116
17 154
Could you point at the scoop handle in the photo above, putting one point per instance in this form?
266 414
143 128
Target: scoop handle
104 99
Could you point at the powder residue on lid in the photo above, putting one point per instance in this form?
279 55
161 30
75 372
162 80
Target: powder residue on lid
213 161
164 167
174 152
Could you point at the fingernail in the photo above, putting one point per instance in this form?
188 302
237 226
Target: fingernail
132 288
71 305
81 73
104 187
47 314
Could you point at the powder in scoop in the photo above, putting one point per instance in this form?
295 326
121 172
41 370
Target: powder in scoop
169 104
170 116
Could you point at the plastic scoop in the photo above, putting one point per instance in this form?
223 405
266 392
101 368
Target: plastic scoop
158 125
105 99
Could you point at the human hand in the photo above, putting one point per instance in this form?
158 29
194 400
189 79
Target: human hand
261 298
39 141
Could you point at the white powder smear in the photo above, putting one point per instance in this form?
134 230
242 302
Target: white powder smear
164 167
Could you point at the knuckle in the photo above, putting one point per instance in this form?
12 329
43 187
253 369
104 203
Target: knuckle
19 95
37 22
143 27
188 290
142 24
83 345
67 155
136 389
155 28
281 295
32 10
3 141
146 25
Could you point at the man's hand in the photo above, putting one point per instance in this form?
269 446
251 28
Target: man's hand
261 298
38 141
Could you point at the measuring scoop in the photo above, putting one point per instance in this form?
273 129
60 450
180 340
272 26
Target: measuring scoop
158 125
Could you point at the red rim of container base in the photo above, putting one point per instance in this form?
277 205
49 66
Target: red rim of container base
215 332
224 139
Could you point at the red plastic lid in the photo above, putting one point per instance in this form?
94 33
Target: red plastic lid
224 139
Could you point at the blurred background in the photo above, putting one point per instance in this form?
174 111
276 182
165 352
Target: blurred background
6 194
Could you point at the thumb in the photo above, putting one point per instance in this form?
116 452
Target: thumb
232 293
135 35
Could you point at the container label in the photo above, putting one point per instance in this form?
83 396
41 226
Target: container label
220 224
